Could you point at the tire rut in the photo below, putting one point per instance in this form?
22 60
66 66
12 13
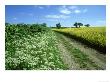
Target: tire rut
66 57
95 56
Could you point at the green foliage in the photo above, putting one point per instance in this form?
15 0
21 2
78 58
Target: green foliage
80 24
31 47
58 25
44 25
76 24
87 25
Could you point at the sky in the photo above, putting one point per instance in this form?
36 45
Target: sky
67 15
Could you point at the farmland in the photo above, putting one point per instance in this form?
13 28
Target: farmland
31 48
94 37
37 47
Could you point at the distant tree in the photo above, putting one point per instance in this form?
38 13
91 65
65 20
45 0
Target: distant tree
44 25
6 24
87 25
80 24
76 24
20 25
58 25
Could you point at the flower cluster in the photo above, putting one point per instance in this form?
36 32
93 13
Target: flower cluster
31 52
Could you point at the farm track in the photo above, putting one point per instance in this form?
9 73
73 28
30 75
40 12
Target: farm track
66 56
96 60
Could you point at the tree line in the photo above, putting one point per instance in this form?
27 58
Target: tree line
58 25
76 24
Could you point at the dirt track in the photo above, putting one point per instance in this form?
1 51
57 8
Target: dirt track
66 45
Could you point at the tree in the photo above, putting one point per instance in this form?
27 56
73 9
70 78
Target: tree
80 24
44 25
75 24
58 25
20 25
7 24
87 25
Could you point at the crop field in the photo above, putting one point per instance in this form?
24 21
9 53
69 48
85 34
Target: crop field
30 50
92 36
37 47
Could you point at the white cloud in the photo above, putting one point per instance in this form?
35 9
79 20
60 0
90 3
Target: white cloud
71 9
64 10
77 11
57 16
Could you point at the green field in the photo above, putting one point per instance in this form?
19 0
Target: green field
37 47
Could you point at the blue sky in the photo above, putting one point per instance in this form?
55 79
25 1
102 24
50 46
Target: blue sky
95 15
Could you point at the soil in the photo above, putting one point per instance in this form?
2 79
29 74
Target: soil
67 56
